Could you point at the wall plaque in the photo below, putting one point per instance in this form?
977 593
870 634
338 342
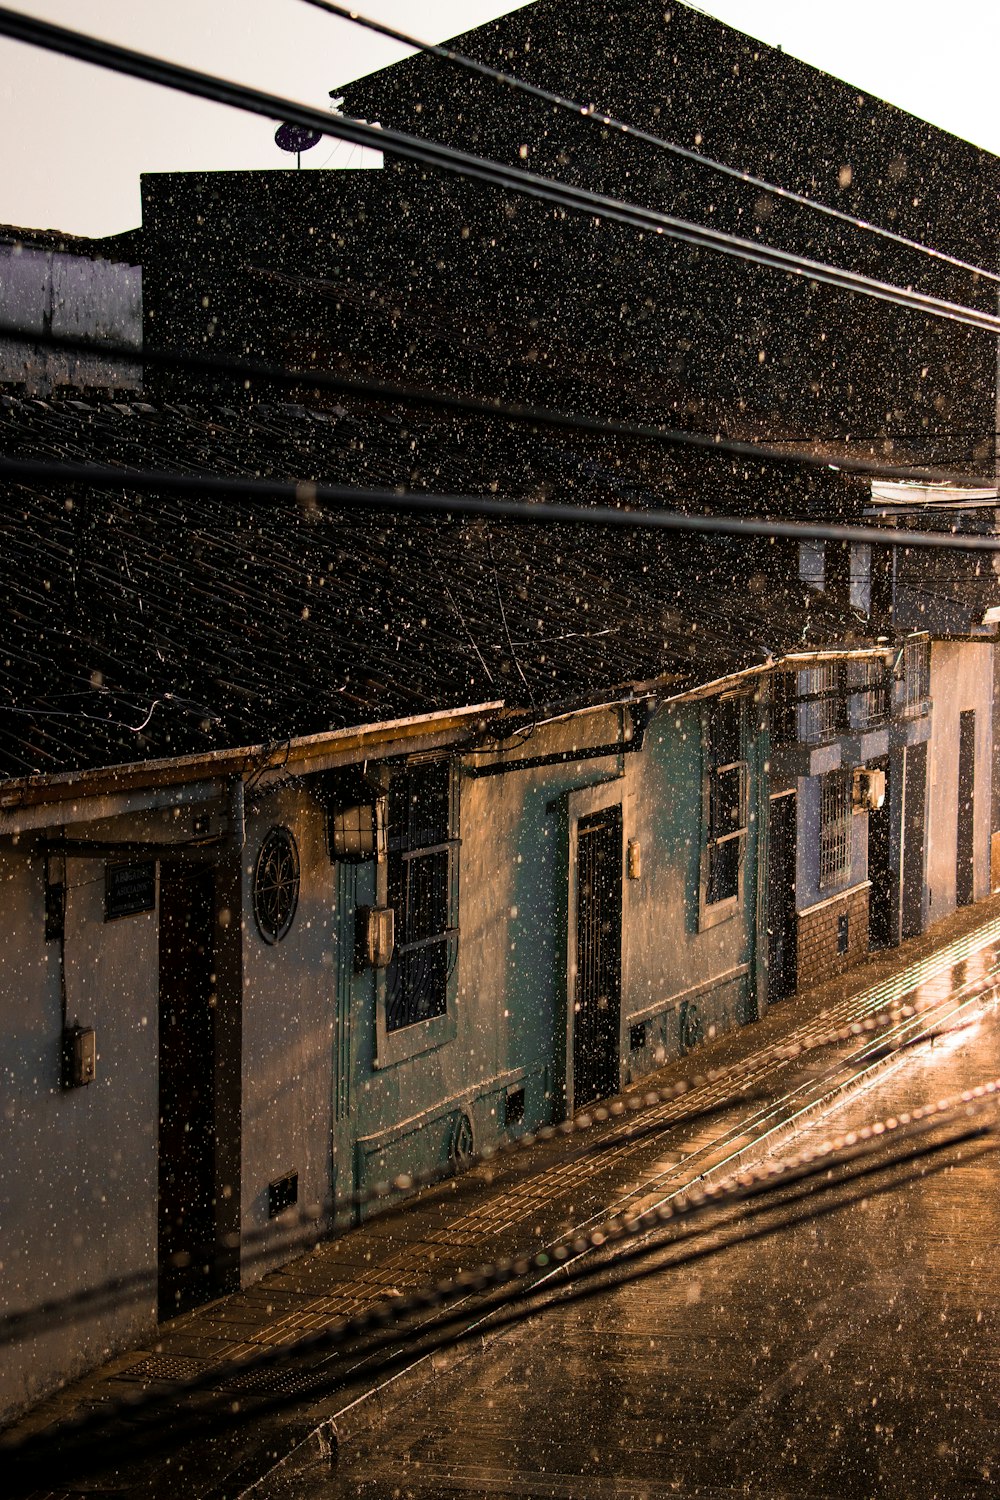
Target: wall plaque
129 889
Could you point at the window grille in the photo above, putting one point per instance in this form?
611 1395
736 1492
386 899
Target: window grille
423 891
917 676
834 829
821 703
870 699
727 799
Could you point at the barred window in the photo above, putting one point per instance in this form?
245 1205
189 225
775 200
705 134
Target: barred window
821 703
870 695
727 799
917 674
423 880
834 829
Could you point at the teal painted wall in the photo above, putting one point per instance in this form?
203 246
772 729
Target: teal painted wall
509 1006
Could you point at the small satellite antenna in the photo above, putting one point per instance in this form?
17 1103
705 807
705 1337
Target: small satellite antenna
296 138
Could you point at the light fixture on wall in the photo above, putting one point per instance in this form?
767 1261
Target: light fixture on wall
355 800
358 832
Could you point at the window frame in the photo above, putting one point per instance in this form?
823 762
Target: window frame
395 1042
718 908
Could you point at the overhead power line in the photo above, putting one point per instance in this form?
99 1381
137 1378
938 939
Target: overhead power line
594 116
250 370
310 497
742 1211
595 206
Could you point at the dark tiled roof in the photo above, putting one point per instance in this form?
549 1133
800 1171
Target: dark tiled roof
137 628
125 247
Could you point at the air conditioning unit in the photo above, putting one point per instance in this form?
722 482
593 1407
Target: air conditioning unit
867 790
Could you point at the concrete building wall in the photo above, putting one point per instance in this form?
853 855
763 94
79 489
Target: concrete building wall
961 679
78 1168
76 297
289 1018
321 1095
685 981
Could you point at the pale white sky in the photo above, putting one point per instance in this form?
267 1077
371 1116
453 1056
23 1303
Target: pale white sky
75 138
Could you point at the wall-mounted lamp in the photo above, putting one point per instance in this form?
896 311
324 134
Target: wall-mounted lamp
355 799
358 833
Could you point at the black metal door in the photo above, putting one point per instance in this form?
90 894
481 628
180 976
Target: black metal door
915 798
965 844
186 1227
598 956
782 944
880 923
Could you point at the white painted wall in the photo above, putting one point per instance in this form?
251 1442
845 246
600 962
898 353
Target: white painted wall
961 678
289 1014
77 1168
73 296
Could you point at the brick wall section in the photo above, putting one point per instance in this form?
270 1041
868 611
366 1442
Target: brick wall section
818 957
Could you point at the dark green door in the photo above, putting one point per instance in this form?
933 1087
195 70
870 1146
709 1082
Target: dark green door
186 1252
599 956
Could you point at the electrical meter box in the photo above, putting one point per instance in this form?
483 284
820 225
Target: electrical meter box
376 937
79 1056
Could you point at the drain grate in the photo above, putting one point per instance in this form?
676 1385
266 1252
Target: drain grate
165 1367
282 1382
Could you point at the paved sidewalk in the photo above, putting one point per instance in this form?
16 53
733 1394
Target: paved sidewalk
525 1200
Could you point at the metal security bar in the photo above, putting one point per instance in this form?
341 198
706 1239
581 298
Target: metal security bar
916 676
869 699
423 860
821 710
834 829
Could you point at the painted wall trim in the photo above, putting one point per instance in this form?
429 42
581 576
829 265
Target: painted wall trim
370 1145
660 1007
850 890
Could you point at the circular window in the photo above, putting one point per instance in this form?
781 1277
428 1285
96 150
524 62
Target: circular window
276 885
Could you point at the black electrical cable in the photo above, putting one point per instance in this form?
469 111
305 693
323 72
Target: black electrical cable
251 370
594 116
309 497
595 206
86 1434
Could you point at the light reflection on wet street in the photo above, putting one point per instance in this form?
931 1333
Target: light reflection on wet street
855 1355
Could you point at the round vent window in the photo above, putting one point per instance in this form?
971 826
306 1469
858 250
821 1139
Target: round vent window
276 885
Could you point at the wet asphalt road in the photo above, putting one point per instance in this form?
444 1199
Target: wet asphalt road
854 1355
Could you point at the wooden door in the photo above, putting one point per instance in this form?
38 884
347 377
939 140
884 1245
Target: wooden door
782 934
966 830
915 805
597 1010
186 1218
881 932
